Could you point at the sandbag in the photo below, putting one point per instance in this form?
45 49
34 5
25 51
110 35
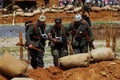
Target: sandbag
22 78
95 9
102 54
12 67
76 60
106 8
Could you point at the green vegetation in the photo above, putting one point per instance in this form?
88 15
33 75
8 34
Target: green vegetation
99 23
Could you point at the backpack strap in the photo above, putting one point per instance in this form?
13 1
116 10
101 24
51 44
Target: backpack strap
35 27
63 31
53 30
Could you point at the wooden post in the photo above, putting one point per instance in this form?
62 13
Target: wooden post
20 43
28 56
107 37
14 18
21 47
114 40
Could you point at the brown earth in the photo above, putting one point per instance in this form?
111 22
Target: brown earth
106 70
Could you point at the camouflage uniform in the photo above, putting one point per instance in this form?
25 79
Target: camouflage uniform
59 48
34 37
78 33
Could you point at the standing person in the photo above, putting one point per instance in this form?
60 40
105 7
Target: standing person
96 2
35 40
80 34
60 2
27 25
79 3
46 3
83 1
65 2
86 8
58 41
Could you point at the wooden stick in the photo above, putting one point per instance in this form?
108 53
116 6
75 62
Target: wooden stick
114 40
21 47
107 37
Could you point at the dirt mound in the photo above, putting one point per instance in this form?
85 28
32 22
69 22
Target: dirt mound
105 70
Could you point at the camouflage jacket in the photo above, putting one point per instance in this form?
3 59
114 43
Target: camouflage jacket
33 36
79 34
59 33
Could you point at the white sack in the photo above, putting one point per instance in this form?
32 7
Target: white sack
22 79
11 66
75 60
102 54
95 9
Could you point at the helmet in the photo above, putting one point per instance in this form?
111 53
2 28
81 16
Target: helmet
78 17
58 20
42 18
88 1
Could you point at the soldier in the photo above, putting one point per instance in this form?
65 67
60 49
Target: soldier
46 2
80 35
35 40
27 24
58 41
86 12
83 1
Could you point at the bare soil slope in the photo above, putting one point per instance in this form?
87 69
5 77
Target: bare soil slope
106 70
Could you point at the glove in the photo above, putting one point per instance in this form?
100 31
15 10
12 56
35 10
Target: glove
44 36
30 46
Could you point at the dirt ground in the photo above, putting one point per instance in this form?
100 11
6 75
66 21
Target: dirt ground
106 70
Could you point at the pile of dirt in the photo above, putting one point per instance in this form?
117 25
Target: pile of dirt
105 70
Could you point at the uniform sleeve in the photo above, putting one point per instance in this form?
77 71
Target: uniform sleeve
68 31
70 26
29 32
90 33
64 33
